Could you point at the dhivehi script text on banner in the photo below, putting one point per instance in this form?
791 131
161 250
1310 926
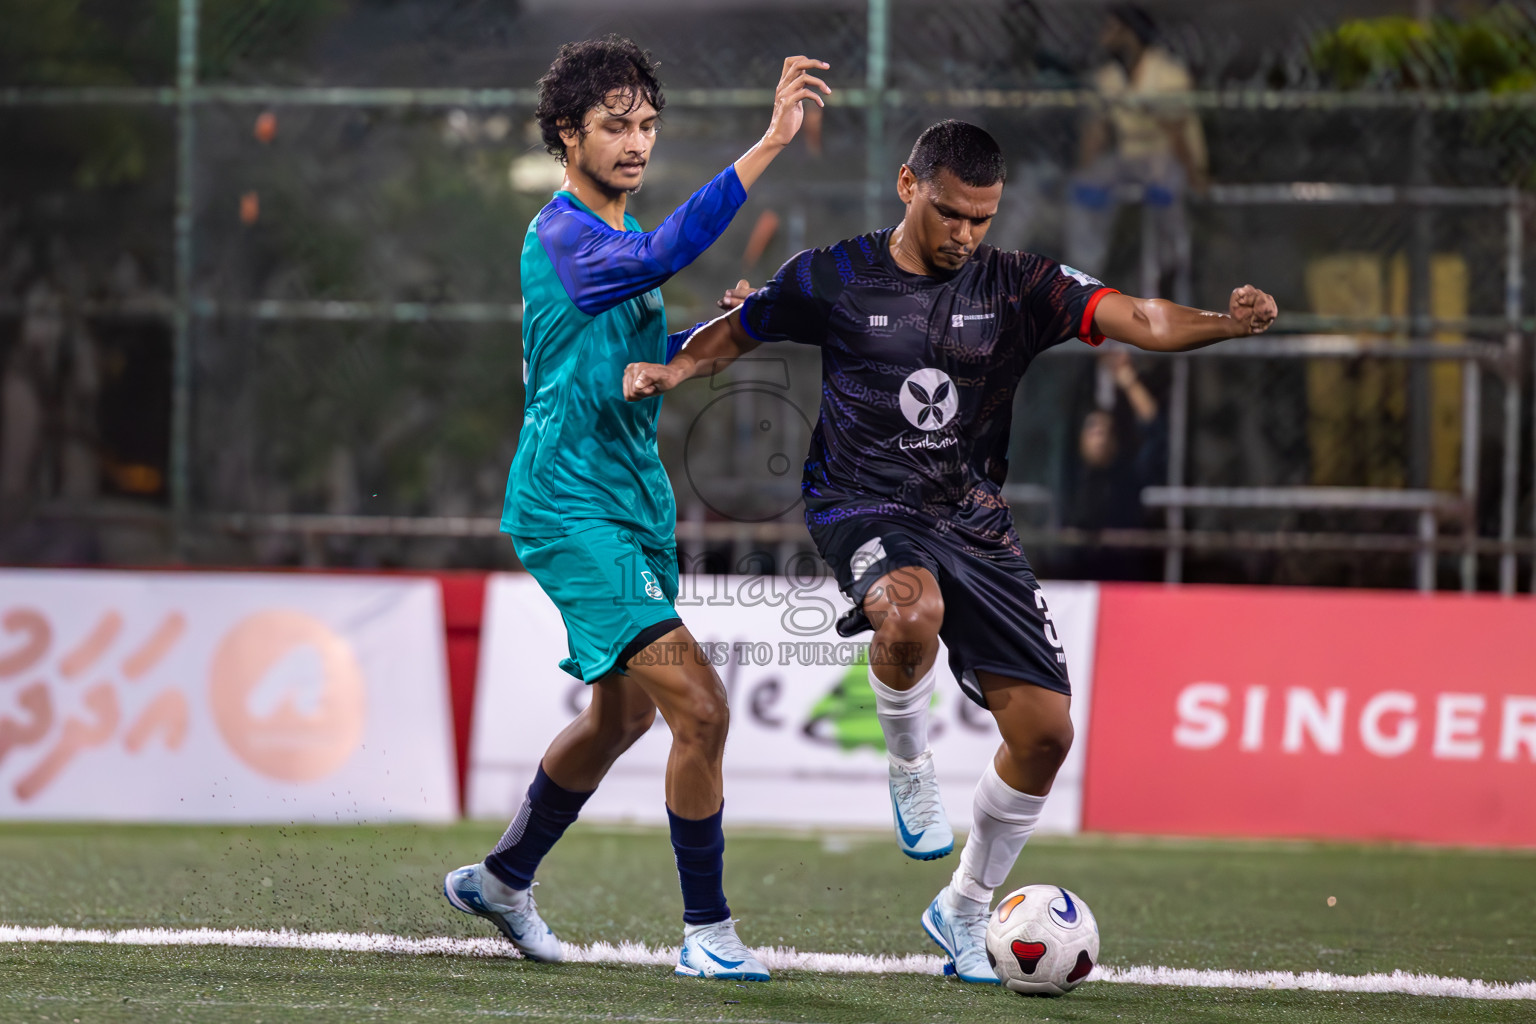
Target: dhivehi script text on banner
222 697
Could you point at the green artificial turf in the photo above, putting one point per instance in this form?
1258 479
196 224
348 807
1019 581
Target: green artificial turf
1206 905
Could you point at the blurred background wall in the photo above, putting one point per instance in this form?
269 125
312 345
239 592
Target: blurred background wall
259 272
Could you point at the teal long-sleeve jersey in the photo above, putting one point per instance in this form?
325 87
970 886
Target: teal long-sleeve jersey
591 306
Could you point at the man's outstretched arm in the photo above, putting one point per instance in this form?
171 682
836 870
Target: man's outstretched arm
607 266
712 348
1158 325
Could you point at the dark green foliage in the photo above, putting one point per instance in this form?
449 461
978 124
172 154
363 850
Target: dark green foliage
1493 51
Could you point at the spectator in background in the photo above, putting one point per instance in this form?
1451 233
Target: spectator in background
49 385
1114 463
1160 150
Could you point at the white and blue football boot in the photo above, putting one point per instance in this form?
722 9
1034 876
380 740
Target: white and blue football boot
922 829
466 889
714 951
960 929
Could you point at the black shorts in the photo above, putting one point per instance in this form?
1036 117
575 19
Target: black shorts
995 616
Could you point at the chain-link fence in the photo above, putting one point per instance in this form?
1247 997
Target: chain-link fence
259 272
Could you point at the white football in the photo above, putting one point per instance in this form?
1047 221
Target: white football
1042 940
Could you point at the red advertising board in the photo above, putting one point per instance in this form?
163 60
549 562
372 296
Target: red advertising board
1335 714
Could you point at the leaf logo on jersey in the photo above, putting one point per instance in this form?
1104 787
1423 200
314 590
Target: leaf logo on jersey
928 399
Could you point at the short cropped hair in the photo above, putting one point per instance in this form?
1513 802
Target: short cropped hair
964 150
583 75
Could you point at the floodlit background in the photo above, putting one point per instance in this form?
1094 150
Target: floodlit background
259 273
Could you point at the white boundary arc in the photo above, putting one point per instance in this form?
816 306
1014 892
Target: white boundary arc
774 958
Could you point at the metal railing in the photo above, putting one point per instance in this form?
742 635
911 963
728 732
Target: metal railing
1429 507
1505 360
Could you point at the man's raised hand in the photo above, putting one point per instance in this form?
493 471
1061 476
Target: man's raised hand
1252 309
796 83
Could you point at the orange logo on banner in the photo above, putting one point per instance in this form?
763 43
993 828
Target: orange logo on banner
281 716
286 693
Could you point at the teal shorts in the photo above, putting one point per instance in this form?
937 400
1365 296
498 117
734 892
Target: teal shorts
611 590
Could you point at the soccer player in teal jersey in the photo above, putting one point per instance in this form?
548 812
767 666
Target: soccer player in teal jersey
589 506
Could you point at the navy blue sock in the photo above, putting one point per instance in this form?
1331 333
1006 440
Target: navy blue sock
547 812
700 849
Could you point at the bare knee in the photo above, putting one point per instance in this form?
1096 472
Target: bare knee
617 718
917 622
906 605
702 721
907 629
908 634
1042 747
637 722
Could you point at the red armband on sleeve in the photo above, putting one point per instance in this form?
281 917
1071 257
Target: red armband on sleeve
1086 332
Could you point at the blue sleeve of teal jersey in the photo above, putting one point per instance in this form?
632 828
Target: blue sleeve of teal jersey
675 342
601 267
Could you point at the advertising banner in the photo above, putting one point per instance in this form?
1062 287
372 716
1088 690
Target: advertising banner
805 748
222 697
1348 715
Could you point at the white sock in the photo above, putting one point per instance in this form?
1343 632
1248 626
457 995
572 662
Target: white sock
500 893
1003 819
904 714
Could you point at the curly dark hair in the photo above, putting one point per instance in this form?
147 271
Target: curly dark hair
965 150
583 75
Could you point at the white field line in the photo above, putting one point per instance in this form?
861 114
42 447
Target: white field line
774 958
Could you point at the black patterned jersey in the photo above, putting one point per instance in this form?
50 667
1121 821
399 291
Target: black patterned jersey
918 375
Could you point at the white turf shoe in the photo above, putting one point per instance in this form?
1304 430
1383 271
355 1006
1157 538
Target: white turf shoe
714 951
922 830
959 928
522 925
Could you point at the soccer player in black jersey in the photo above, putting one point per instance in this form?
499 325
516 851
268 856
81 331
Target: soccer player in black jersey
925 333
